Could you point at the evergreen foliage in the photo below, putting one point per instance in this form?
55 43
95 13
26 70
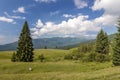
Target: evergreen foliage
116 49
45 47
91 57
85 48
41 57
13 59
102 57
102 43
68 57
56 47
25 45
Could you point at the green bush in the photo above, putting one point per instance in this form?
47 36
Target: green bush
74 56
41 57
91 57
78 56
102 57
68 57
13 59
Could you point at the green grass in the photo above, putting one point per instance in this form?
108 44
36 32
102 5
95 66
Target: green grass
55 68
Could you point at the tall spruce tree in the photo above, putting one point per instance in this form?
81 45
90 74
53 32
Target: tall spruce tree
25 45
116 49
102 43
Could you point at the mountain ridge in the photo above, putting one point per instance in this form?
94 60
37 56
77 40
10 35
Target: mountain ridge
49 42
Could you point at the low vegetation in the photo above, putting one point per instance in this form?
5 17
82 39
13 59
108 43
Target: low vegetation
54 67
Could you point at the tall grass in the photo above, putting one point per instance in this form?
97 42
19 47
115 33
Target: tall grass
53 69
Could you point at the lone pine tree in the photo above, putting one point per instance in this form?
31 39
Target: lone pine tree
116 49
25 46
13 59
102 43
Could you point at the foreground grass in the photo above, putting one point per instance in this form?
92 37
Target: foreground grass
55 69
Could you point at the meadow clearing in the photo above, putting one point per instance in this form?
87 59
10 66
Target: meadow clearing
55 68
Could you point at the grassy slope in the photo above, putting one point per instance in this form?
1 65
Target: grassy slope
55 68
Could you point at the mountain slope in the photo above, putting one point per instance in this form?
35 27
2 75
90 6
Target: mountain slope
49 42
92 41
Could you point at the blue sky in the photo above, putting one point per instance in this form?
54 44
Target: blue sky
57 18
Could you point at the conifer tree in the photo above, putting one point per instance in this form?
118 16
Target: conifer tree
45 47
106 39
116 49
13 59
25 45
102 43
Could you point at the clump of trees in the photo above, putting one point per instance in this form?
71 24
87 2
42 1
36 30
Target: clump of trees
85 47
25 49
98 51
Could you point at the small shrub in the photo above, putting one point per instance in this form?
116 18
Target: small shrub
102 57
13 59
91 56
41 57
78 56
107 58
68 57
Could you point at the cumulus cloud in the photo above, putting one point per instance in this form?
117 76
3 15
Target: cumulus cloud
39 24
5 19
78 26
68 16
45 1
106 20
111 11
14 17
20 10
80 4
110 6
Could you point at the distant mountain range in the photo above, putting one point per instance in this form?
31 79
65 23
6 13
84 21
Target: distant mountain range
48 42
59 42
92 41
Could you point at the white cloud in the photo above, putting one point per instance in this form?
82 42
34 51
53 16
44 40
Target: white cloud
39 24
20 10
78 26
111 11
106 20
14 17
68 16
45 1
54 13
5 19
80 4
110 6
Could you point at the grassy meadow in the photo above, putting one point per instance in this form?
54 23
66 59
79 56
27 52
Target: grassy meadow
55 68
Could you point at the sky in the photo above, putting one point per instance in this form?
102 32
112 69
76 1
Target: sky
57 18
